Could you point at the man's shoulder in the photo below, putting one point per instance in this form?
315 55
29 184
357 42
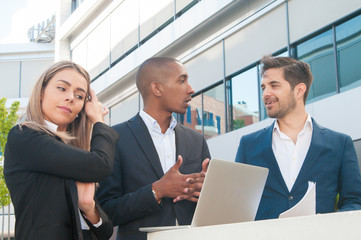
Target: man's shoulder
181 129
125 124
120 125
327 132
259 134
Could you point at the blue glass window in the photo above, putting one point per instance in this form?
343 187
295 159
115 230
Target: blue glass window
318 52
348 39
193 114
189 115
214 112
244 99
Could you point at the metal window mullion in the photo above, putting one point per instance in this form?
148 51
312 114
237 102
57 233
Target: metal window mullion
288 30
20 76
338 84
138 23
260 102
230 104
225 88
202 113
110 42
175 9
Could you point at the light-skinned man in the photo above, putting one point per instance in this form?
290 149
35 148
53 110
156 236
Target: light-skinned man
296 149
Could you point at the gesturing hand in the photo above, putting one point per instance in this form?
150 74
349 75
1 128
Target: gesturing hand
173 183
193 191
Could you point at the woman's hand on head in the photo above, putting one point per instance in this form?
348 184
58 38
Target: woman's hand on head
94 109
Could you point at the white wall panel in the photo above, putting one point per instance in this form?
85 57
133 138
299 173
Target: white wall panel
180 4
30 73
307 16
206 68
99 48
124 28
339 112
125 109
262 37
153 15
9 81
80 54
154 46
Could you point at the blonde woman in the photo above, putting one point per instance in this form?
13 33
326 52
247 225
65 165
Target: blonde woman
53 158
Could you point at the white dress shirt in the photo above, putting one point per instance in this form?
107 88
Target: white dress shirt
290 156
84 226
164 143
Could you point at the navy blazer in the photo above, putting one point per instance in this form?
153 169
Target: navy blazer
126 195
331 163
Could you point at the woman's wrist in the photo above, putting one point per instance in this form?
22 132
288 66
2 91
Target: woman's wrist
99 119
92 215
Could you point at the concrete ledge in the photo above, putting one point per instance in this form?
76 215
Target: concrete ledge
341 225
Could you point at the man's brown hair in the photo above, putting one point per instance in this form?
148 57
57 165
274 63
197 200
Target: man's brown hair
294 72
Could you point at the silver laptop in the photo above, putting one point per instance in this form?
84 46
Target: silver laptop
231 193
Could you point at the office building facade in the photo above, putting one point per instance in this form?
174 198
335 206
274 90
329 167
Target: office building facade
221 43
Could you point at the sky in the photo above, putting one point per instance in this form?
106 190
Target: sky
17 16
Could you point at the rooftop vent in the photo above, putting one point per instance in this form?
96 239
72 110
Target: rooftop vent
43 32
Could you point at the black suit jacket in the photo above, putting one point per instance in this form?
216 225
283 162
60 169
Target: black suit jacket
126 196
40 172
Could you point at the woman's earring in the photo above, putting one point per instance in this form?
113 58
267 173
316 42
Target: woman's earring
77 115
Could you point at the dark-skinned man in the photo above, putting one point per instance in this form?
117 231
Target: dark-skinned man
160 165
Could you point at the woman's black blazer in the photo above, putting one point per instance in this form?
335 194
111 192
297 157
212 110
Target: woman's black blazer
40 172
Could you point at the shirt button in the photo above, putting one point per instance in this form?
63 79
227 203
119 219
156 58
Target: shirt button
290 198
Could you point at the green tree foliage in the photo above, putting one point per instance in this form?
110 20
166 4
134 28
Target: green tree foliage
8 118
238 123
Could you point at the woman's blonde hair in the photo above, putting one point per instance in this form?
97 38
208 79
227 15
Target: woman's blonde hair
78 131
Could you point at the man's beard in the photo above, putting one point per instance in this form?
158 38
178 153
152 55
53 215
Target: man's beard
283 110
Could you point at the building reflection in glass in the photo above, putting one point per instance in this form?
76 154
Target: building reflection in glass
244 100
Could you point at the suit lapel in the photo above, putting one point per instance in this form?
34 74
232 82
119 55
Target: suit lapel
73 202
180 145
141 134
312 154
269 156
